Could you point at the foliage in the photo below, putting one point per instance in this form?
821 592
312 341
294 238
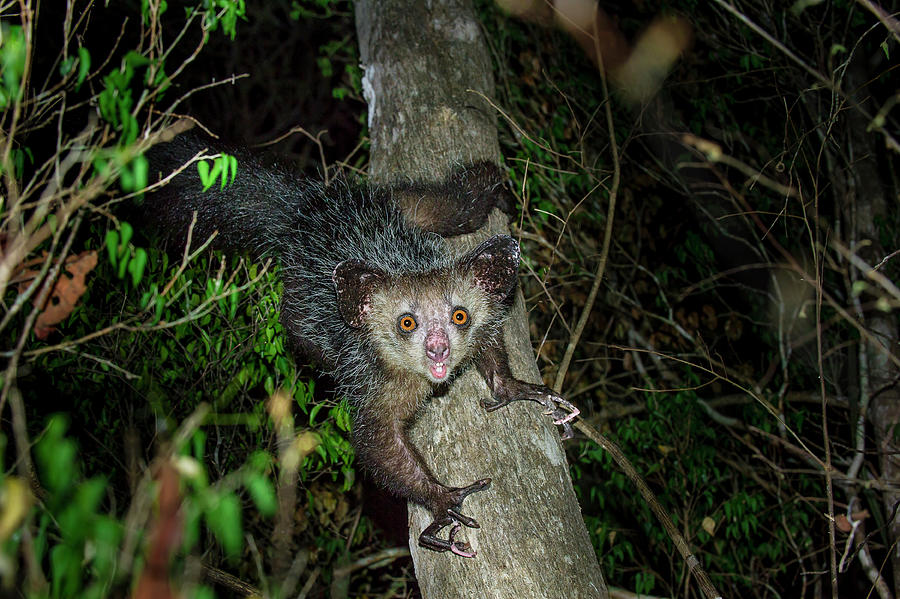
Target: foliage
681 457
88 549
736 297
178 357
700 357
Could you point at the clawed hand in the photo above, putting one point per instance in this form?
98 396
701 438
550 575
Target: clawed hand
562 411
452 516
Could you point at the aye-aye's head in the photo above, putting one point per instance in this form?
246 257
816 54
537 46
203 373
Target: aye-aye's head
428 323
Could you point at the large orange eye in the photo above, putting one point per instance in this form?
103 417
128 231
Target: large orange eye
460 317
406 323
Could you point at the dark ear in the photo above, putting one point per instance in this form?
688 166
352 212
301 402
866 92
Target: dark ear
355 281
493 264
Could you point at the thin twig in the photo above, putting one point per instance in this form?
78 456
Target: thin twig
201 310
868 271
607 238
49 282
230 582
826 441
693 563
309 583
819 77
889 22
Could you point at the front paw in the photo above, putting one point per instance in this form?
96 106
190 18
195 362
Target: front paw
562 411
447 512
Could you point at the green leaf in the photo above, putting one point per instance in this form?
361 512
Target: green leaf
18 156
135 59
191 532
84 66
160 304
232 168
313 412
282 366
127 233
203 170
217 168
262 492
66 65
112 246
56 457
136 267
202 592
65 565
141 168
341 416
223 517
233 301
106 102
88 496
12 62
130 128
198 444
107 536
161 81
123 266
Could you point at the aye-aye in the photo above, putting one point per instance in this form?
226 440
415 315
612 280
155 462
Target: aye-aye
373 295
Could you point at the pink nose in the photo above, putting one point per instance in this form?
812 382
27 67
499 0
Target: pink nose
437 351
437 344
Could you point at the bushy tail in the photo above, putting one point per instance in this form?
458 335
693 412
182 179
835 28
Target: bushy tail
268 204
251 213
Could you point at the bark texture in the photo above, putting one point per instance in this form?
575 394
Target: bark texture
422 61
865 202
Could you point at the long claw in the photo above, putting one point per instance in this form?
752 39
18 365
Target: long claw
572 414
460 548
478 485
462 519
563 411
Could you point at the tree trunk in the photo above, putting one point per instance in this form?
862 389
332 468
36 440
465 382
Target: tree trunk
422 61
863 191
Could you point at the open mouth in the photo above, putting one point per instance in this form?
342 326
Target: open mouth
438 370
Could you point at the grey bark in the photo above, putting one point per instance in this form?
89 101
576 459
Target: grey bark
421 60
863 191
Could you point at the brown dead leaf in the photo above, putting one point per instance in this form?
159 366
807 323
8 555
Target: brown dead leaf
69 288
842 524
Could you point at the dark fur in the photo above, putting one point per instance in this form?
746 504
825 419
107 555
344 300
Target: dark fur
344 251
